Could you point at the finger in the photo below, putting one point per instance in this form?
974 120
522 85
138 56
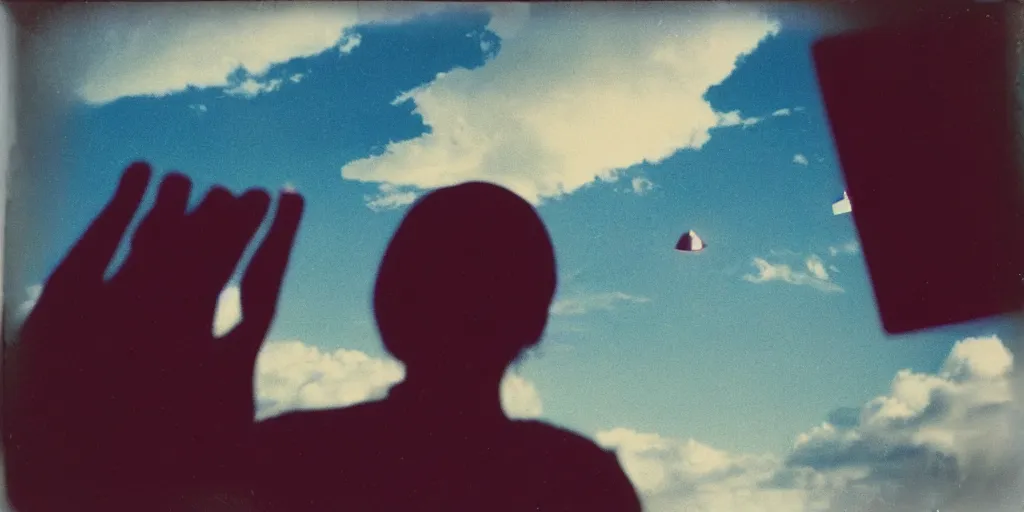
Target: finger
89 258
226 229
201 245
156 239
261 284
168 211
255 204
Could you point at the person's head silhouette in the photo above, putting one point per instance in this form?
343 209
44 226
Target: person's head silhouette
463 288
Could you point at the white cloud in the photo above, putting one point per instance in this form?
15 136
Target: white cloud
296 78
799 159
349 42
252 87
783 112
390 197
198 107
851 247
291 375
586 303
576 96
229 310
734 118
949 434
673 474
108 51
942 441
519 397
815 275
817 267
641 185
161 49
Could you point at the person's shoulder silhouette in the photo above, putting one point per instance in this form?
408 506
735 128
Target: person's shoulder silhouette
463 289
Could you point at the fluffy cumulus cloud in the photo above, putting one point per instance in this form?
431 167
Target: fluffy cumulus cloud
527 119
582 304
674 474
936 441
813 274
108 51
292 375
581 92
800 159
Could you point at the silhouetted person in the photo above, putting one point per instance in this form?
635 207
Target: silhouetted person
464 287
117 396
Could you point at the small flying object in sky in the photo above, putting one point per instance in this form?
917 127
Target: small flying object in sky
690 242
842 206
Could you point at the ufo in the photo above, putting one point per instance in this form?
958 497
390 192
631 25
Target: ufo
690 242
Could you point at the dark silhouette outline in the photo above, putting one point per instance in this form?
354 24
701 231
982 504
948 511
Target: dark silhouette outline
463 288
123 399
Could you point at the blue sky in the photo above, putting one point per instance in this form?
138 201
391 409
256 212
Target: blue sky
644 338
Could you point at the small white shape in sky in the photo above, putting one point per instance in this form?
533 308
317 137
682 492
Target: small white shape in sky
734 118
642 186
799 159
252 87
842 206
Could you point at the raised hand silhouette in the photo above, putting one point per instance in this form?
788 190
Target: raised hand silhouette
125 399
